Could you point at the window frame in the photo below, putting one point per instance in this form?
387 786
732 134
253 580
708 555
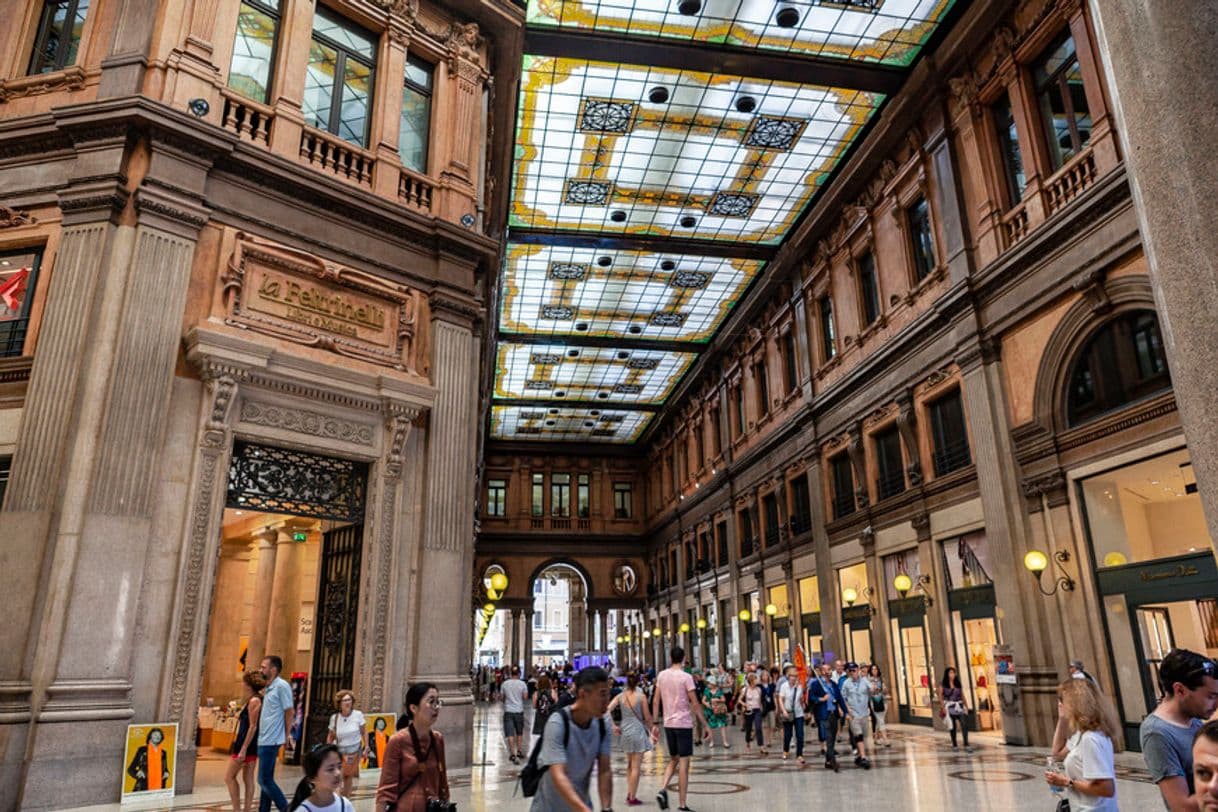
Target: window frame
828 329
886 483
790 361
1131 391
537 494
923 264
430 94
621 489
864 271
277 15
496 498
20 326
943 451
583 496
761 375
838 500
42 31
1002 142
560 496
1039 94
343 52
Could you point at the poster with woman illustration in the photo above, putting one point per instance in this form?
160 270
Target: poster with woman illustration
150 762
380 727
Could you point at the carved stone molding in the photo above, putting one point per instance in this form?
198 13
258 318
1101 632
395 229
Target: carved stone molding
1051 484
1091 286
10 218
921 525
72 78
303 421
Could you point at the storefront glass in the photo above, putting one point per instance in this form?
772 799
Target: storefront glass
809 605
975 641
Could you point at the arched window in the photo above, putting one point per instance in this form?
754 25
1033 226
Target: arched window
1122 363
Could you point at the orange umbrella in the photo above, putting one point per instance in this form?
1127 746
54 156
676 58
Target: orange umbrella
801 665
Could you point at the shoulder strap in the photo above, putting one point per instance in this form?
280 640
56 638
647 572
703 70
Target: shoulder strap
566 727
601 719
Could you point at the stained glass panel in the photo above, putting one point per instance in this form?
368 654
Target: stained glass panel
583 425
587 373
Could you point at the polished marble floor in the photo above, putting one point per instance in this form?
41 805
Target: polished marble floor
920 771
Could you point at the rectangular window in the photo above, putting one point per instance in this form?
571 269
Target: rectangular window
769 504
339 78
948 434
747 542
716 430
1063 102
890 468
18 278
60 26
869 288
763 388
828 333
721 541
560 495
496 497
539 494
414 127
921 238
537 620
790 367
583 503
672 565
843 486
801 502
621 500
699 447
249 73
1008 146
739 395
6 467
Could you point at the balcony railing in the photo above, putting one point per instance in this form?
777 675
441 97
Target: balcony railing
415 191
800 524
952 456
337 157
1015 225
1068 182
772 536
560 524
12 336
248 119
890 483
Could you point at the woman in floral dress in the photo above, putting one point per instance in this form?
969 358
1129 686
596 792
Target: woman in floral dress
714 706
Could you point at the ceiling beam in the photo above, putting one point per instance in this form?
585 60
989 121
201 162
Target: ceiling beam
602 342
661 245
567 403
676 54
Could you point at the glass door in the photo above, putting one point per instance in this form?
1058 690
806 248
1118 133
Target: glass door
980 637
911 684
1154 626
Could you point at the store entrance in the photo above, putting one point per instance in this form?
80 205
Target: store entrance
287 584
856 624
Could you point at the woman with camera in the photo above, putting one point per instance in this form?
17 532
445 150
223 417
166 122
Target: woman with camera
414 777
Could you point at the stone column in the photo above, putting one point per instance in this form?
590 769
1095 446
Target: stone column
517 641
528 638
267 542
288 76
220 677
387 111
446 560
1022 607
1159 61
290 563
938 614
826 581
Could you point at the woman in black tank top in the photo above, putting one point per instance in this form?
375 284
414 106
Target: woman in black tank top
245 744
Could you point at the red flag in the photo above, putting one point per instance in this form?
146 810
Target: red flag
13 287
801 665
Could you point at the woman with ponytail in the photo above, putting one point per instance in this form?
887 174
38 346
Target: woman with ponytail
323 778
414 771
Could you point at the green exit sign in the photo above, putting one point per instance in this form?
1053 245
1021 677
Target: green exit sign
300 535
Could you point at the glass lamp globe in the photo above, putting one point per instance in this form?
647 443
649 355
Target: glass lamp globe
646 635
746 615
499 582
1036 561
850 595
492 593
1115 559
701 624
621 639
489 608
771 609
656 632
684 628
903 583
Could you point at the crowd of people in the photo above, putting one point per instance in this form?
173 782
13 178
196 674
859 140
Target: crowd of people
578 714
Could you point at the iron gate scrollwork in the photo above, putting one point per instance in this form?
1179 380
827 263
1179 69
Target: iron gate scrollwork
281 480
337 610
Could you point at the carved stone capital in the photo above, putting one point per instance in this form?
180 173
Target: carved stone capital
10 218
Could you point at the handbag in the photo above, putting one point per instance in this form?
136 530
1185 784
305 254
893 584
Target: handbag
955 707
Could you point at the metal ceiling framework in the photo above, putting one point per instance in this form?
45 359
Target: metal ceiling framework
664 151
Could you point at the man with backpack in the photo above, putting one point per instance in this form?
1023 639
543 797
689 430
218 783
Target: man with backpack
575 740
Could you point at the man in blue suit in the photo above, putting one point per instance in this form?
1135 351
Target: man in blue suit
825 700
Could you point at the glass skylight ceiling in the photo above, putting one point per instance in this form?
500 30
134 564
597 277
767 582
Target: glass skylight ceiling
647 198
721 157
551 290
884 31
588 373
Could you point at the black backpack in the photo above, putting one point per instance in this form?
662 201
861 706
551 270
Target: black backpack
532 772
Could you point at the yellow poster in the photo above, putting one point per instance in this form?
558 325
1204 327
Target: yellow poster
380 727
150 763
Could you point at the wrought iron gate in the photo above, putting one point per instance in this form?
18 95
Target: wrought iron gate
335 640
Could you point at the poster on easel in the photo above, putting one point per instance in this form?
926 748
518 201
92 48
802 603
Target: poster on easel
380 727
150 762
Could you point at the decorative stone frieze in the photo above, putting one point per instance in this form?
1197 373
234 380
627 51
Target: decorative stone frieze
304 421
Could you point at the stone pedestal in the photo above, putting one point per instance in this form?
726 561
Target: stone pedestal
1160 62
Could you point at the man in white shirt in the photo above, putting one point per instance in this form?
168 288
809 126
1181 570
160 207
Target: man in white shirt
514 691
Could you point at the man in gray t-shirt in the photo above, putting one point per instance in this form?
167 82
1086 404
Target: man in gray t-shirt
514 691
1190 687
589 743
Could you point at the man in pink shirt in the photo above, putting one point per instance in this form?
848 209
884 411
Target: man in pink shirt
675 693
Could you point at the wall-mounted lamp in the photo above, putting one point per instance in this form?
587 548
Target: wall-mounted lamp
656 632
746 615
701 624
499 582
1037 562
903 584
620 639
771 609
683 628
646 635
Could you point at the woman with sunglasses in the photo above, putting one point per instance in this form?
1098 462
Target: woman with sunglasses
414 770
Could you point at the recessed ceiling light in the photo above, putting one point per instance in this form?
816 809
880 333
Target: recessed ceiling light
604 261
618 216
746 104
689 7
688 221
658 95
668 265
787 17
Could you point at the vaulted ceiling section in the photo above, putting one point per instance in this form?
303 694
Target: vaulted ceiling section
664 150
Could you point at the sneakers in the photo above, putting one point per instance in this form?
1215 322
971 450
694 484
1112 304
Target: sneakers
633 802
512 758
662 798
684 809
968 748
859 761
